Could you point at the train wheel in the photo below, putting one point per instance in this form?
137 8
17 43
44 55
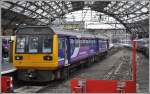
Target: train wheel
58 74
53 76
93 59
88 64
65 73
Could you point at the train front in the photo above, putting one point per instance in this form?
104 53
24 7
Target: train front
35 53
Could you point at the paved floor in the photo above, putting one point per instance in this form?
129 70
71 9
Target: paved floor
116 66
7 68
142 74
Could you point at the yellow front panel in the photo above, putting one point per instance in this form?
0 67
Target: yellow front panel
36 61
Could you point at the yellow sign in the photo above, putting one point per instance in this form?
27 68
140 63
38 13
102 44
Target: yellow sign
72 26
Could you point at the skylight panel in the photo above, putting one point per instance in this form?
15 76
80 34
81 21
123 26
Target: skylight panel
44 14
5 5
39 11
27 12
144 9
32 7
17 9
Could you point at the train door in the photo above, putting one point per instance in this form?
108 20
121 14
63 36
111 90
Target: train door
67 47
61 49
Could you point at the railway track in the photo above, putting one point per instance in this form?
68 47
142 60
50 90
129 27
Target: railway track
52 86
36 88
120 71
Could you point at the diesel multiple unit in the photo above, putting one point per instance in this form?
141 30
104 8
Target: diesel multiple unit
41 53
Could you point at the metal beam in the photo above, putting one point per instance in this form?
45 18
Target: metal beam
14 18
127 9
0 35
12 6
133 17
114 5
119 7
124 24
58 6
138 9
26 8
51 8
39 7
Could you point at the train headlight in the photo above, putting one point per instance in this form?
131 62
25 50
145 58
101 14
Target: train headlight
47 58
18 57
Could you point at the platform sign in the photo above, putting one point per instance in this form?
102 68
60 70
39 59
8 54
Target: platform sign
74 25
71 26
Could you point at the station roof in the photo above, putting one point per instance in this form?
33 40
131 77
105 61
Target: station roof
133 15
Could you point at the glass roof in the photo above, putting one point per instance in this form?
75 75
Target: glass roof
45 9
129 11
94 19
124 12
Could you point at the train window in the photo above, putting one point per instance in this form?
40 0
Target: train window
61 43
20 44
33 44
81 43
84 42
47 45
72 45
94 43
72 42
87 42
76 43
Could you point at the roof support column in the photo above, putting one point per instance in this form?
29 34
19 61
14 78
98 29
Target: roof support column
0 37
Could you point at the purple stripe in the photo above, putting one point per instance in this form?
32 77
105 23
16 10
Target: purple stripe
61 62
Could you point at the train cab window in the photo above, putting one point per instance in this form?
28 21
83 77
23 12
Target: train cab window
47 45
33 44
20 47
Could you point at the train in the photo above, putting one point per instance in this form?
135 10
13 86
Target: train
5 50
5 47
44 53
143 46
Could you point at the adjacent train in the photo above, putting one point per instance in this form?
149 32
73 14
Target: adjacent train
143 46
43 53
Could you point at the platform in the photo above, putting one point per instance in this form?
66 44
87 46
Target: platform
7 68
114 67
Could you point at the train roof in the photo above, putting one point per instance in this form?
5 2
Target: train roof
142 39
75 33
58 30
29 30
